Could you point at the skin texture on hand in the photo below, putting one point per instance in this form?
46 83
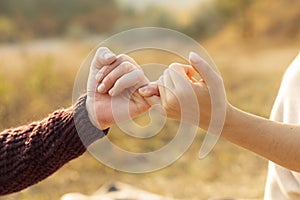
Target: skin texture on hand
119 77
274 141
114 80
170 87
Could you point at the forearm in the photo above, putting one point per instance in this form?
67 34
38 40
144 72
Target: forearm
275 141
31 153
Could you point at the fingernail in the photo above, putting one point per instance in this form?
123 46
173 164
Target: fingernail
194 57
108 55
143 91
111 92
101 88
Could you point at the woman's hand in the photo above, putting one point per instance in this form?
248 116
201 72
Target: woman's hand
112 86
178 84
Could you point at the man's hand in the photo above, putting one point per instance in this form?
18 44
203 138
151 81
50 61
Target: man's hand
112 85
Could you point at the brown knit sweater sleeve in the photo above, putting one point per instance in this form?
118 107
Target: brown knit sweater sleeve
29 154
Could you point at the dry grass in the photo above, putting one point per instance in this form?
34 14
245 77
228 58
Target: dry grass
251 74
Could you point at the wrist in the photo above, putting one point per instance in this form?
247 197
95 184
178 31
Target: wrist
92 115
234 116
87 131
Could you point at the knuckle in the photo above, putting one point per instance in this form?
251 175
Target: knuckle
108 80
101 50
109 68
127 66
124 58
166 72
174 65
139 73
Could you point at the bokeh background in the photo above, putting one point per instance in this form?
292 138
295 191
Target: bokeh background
43 43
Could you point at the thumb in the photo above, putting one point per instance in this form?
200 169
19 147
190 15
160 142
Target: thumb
202 67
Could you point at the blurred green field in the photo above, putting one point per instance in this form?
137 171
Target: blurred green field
36 78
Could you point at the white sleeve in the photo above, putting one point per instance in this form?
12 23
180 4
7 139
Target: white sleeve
282 183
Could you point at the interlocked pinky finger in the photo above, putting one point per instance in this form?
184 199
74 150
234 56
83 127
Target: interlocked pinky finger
163 91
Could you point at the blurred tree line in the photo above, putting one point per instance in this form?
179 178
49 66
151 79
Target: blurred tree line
29 19
212 17
248 18
43 18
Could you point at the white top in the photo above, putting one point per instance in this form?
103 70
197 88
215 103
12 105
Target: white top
283 183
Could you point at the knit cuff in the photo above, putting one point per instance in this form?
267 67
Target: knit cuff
87 132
